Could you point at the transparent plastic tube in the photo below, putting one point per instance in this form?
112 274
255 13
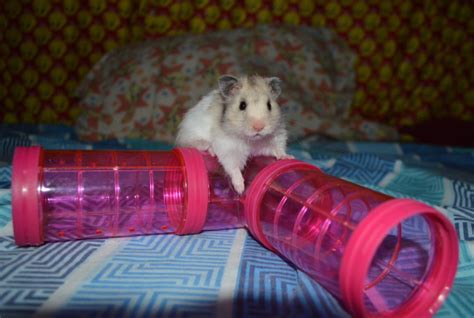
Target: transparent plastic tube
380 256
63 195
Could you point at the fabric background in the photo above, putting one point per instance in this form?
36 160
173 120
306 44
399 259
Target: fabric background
414 58
143 90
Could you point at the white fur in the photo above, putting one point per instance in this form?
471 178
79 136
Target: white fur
227 132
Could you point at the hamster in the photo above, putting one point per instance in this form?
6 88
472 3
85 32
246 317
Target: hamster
238 120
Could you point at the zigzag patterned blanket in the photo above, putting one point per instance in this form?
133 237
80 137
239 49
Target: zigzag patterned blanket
222 273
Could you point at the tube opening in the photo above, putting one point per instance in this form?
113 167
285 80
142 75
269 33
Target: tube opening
400 261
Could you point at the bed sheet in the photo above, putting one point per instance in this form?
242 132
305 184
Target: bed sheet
219 273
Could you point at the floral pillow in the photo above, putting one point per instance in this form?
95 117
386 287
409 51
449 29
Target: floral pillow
142 90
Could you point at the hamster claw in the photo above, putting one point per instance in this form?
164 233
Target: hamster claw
285 156
211 152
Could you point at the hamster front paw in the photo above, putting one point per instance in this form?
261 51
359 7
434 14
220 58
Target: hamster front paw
286 156
201 145
211 151
281 156
238 182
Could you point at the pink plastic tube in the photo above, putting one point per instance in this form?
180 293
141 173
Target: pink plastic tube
382 257
69 195
378 255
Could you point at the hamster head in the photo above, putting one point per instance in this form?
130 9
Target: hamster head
250 107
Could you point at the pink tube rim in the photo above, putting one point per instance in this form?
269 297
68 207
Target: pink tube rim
365 241
195 213
258 188
27 216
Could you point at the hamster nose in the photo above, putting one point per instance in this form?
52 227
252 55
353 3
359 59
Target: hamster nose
258 125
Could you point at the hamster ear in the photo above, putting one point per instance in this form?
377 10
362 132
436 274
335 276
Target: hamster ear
275 86
228 85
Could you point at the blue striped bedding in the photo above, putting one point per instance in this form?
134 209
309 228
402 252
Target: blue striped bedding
220 273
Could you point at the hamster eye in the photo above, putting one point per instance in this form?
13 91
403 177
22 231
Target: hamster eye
243 105
269 105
